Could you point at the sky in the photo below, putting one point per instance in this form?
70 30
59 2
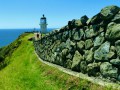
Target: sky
27 13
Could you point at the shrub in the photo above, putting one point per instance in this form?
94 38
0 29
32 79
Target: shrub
1 58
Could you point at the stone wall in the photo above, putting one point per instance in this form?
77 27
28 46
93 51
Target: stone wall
87 45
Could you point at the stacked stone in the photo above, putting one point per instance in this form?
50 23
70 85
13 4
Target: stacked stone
87 45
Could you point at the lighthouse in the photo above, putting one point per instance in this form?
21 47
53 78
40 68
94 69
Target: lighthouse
43 24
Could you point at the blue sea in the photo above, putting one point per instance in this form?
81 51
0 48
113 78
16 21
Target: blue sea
9 35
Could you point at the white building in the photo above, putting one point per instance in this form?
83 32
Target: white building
43 24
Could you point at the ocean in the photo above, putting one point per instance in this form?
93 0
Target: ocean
9 35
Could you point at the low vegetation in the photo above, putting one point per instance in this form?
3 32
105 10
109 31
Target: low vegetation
25 72
6 52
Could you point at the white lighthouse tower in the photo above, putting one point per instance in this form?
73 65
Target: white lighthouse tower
43 24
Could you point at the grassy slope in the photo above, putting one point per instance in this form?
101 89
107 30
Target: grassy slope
26 72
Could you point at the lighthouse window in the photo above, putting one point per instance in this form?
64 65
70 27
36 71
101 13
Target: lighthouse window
42 21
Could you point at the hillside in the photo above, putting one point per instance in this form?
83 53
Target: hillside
25 72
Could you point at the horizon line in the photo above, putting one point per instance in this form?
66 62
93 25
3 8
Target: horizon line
25 28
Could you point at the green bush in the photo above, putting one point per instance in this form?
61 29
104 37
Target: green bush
1 58
8 50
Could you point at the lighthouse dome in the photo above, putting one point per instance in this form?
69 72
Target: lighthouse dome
43 17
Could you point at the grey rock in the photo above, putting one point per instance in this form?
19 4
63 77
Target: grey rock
70 25
88 21
65 35
117 46
69 56
81 22
83 66
59 36
59 61
64 52
78 23
78 35
68 64
70 34
57 49
55 37
101 29
109 11
93 68
115 61
96 19
73 22
89 56
102 52
111 55
73 32
92 31
116 18
119 77
88 43
84 20
99 40
113 31
76 61
80 44
70 44
62 46
108 70
112 49
53 57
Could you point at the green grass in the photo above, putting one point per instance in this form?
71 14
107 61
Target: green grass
26 72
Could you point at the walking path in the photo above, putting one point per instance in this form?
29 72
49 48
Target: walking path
82 76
